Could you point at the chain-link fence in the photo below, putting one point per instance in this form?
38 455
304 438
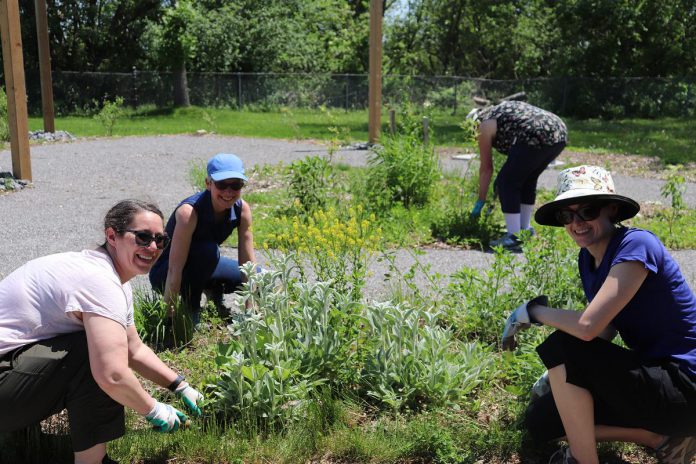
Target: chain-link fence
567 96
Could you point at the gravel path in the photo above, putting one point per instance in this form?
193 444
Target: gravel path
76 183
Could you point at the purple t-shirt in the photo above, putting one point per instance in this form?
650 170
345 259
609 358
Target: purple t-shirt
660 320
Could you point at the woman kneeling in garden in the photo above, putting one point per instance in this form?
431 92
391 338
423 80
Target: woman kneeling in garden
192 263
600 391
68 340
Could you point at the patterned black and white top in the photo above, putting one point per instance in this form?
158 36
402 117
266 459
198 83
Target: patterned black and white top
521 123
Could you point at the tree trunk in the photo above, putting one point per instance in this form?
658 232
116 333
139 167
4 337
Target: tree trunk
181 91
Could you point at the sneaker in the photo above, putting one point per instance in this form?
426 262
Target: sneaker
508 241
563 456
677 450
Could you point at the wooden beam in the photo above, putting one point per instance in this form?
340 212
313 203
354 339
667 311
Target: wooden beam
45 66
16 88
375 79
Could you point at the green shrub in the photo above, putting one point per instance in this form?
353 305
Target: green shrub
480 301
403 170
310 183
110 113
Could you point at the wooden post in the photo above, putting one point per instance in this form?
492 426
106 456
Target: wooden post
375 80
16 88
45 66
392 121
426 131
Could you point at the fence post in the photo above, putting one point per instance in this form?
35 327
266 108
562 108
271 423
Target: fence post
454 109
134 87
347 93
239 91
426 131
392 121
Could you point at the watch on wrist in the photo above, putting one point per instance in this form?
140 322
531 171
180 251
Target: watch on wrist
173 386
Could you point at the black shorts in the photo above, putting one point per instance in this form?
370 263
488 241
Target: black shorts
627 391
43 378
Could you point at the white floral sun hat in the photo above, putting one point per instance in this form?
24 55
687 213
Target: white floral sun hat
584 184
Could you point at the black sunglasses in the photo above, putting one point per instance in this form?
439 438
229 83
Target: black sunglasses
144 238
224 185
584 213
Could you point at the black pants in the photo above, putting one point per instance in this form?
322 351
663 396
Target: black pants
43 378
627 391
517 180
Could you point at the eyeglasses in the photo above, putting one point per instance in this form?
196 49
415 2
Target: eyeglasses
234 185
584 213
144 238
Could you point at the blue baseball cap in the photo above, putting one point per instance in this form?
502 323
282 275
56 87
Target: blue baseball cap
225 166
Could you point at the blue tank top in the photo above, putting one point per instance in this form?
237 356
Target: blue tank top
207 230
660 320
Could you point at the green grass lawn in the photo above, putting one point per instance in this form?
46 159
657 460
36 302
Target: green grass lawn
670 139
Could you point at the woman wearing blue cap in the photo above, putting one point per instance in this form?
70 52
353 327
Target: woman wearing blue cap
192 264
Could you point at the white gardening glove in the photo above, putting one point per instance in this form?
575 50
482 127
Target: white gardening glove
165 418
519 320
541 387
190 397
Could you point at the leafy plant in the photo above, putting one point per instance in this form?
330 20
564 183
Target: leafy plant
154 324
283 349
337 248
403 170
310 183
110 113
414 362
674 189
480 301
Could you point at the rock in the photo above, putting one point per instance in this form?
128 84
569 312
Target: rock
57 136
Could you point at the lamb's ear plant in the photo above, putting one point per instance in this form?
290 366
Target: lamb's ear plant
414 362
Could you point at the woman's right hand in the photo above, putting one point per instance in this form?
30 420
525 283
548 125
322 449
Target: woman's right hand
166 419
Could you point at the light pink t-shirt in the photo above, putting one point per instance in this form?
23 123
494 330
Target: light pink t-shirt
39 300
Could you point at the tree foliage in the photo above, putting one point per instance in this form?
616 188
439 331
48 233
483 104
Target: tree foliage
480 38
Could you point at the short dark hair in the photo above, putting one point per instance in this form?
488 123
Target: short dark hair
122 213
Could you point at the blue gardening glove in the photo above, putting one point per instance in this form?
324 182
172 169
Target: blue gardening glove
190 397
519 320
166 419
478 206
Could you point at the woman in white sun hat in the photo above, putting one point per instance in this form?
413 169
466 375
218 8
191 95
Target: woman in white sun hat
644 393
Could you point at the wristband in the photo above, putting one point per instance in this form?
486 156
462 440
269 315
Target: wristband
172 387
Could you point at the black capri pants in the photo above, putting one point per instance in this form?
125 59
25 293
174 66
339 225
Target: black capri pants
517 180
43 378
627 390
